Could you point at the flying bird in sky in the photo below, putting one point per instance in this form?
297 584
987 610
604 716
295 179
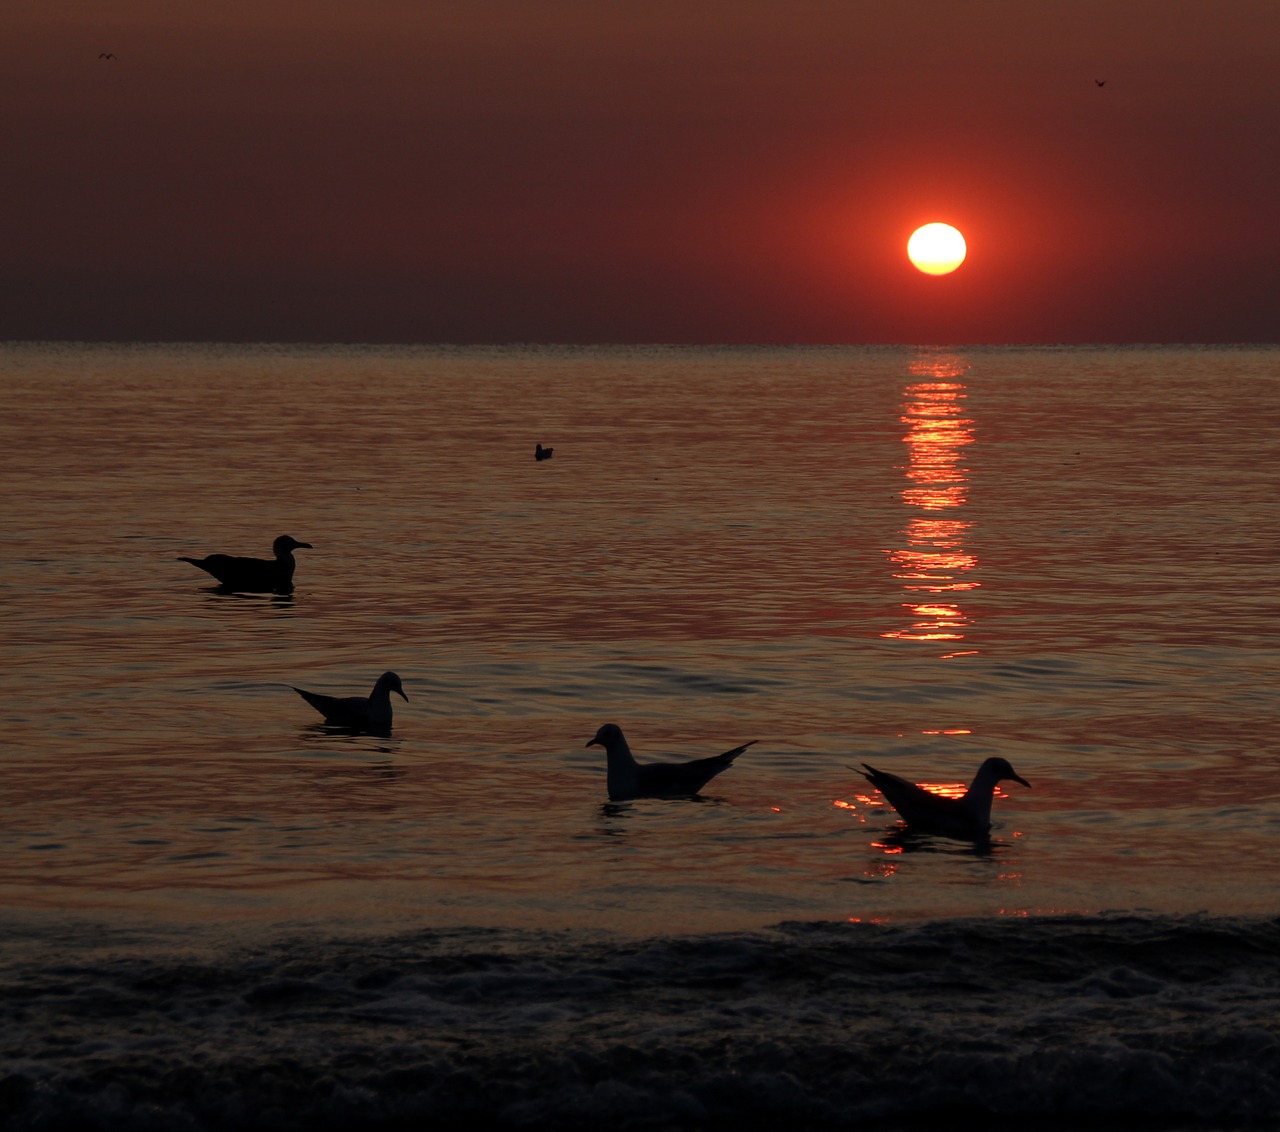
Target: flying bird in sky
106 55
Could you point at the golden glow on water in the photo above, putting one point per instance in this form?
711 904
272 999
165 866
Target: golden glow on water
872 806
156 761
931 564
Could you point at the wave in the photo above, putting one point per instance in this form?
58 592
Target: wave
1171 1021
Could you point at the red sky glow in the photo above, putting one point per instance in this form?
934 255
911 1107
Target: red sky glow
658 171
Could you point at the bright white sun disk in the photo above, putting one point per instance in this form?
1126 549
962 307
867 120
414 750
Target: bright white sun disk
936 249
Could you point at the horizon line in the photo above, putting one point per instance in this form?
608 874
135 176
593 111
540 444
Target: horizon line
597 345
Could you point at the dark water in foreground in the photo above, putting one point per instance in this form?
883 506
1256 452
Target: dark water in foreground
1155 1022
218 915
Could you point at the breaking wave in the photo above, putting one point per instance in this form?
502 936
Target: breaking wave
1173 1021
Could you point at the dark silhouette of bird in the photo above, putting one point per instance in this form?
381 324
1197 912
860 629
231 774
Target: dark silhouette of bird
106 55
967 817
362 713
1100 82
254 575
628 779
541 453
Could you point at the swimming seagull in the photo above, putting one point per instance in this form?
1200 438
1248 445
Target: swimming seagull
1100 82
628 779
540 453
922 809
255 575
106 55
364 713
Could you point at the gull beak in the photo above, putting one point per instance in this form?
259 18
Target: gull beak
595 743
402 695
1019 778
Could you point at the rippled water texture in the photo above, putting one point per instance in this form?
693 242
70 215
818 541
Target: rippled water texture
917 559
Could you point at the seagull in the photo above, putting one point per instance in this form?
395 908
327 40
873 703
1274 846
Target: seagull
541 453
364 713
257 575
1100 82
628 779
106 55
969 816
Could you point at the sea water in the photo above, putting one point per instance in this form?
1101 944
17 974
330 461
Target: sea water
219 913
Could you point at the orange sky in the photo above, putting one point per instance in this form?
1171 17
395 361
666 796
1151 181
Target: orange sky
618 171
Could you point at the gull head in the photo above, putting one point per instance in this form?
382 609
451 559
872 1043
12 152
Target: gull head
1002 769
286 543
391 682
608 737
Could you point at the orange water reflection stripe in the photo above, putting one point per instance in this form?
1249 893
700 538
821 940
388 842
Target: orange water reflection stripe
938 432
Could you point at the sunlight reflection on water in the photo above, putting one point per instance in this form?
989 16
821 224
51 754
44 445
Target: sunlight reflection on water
703 561
933 561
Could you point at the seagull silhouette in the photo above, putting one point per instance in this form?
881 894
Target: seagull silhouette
1100 82
254 575
967 817
628 779
541 453
106 55
363 713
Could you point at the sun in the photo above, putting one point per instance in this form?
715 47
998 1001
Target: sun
936 249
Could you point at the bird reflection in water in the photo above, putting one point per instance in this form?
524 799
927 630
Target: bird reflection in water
932 564
222 594
627 809
904 839
314 732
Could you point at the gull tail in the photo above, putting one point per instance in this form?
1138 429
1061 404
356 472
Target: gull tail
323 704
729 756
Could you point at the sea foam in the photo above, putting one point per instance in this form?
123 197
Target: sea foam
815 1025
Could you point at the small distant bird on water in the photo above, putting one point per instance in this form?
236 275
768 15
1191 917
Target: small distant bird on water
541 453
1100 82
364 713
628 779
254 575
924 810
106 55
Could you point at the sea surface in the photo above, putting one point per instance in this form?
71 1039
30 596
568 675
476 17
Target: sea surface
217 913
